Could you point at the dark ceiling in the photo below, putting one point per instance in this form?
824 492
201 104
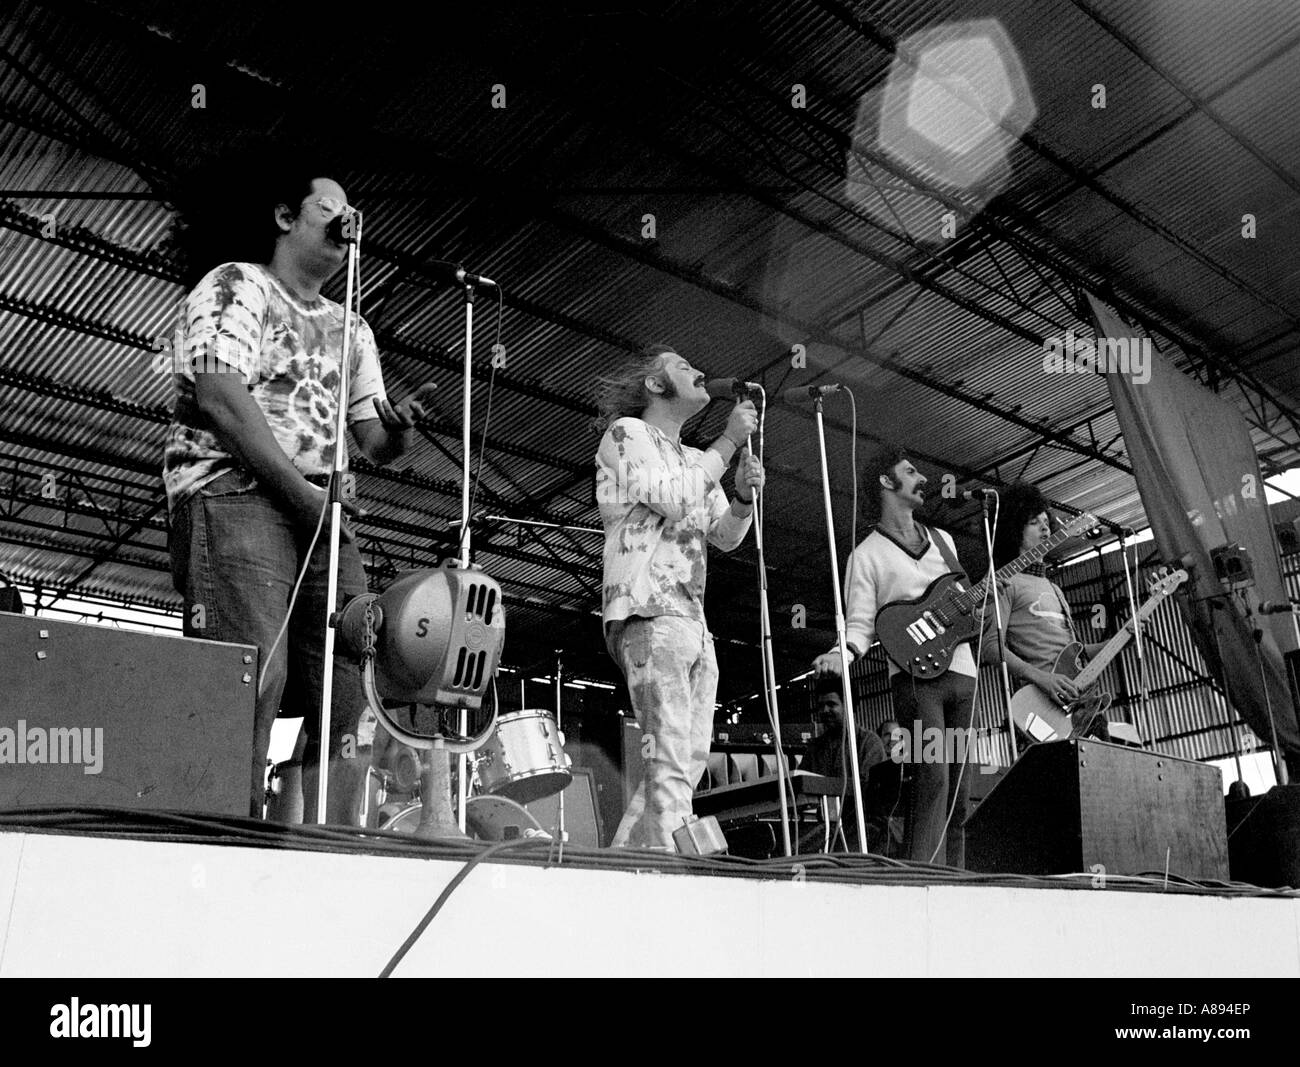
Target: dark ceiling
683 111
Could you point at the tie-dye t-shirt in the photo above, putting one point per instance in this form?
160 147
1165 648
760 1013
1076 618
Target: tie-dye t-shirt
239 319
660 502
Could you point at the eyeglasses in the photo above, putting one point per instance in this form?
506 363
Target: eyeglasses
331 206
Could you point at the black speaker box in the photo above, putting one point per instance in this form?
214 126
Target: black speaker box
1068 806
92 715
1264 838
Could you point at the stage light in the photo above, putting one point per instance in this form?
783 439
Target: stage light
432 639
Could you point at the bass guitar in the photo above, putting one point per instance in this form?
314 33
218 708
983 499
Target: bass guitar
1041 717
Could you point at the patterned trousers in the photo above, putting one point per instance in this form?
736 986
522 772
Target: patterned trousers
672 677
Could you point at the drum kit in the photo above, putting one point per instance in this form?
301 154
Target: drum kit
522 761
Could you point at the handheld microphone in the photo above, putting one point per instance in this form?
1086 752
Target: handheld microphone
978 494
806 393
724 388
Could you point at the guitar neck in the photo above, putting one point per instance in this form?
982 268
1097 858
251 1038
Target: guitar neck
1112 648
1033 556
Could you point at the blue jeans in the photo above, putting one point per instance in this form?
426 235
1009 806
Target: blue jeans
235 554
672 678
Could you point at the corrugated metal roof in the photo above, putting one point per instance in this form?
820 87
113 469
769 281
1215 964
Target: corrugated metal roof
765 237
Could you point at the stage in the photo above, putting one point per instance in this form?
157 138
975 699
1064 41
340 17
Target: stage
119 894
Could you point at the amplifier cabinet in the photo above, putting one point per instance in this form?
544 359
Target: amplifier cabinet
1072 806
95 716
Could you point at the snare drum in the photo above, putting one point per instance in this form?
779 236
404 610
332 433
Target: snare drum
524 758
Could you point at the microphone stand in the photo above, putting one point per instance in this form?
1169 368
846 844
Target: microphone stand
563 527
1137 620
438 779
1257 632
850 716
1217 602
350 321
997 618
559 730
769 664
467 372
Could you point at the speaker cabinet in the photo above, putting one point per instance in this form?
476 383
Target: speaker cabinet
1264 841
1068 806
581 810
91 715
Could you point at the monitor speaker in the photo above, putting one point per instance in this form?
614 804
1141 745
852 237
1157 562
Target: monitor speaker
1074 806
96 716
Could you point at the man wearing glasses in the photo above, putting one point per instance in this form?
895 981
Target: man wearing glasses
251 447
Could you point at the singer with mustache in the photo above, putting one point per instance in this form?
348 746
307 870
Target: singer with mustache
250 448
662 504
897 561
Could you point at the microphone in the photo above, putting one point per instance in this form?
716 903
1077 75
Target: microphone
1276 607
457 274
724 388
978 494
804 393
334 228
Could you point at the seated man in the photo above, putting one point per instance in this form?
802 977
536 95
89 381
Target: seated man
884 801
827 753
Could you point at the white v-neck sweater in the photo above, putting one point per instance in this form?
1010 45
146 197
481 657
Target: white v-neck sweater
881 571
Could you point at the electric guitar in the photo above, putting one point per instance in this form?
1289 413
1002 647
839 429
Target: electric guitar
919 635
1041 717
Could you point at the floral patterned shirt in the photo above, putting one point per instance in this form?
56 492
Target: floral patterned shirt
660 502
240 320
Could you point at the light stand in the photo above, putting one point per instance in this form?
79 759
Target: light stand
352 235
769 664
997 618
850 716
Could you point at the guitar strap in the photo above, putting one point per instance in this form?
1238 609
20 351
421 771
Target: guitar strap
949 559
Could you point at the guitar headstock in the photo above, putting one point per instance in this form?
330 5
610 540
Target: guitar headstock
1078 525
1164 581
